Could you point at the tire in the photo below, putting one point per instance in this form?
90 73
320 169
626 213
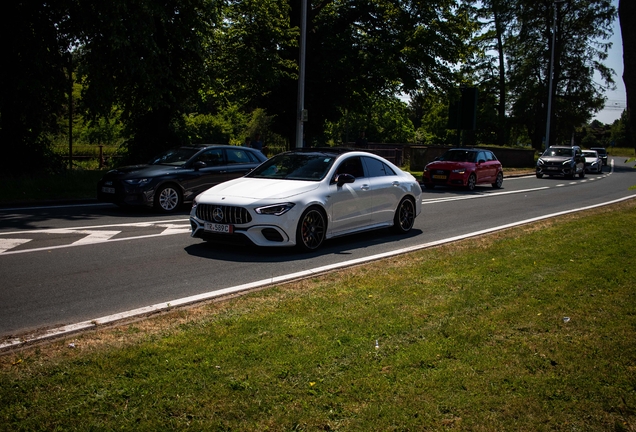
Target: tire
472 182
539 175
429 185
499 182
404 216
168 199
311 230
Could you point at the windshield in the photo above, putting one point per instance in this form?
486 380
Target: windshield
558 152
174 157
459 156
590 154
295 166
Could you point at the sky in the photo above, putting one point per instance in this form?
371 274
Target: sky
616 99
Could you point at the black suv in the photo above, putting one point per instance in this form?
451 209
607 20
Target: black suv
561 161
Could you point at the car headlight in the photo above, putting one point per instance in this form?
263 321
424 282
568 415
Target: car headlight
567 162
459 171
275 209
138 182
540 162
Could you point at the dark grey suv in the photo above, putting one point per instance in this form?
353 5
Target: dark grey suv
563 161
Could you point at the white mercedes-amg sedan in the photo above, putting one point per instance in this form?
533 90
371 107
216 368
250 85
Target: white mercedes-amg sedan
301 198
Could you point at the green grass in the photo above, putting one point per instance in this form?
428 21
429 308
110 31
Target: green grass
471 336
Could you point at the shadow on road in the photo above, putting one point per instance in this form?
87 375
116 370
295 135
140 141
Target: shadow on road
251 253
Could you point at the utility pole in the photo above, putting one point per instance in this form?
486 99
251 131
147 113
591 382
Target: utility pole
551 73
301 113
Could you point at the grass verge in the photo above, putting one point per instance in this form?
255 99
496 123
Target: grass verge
529 329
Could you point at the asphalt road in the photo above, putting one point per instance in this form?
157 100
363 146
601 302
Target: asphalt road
61 265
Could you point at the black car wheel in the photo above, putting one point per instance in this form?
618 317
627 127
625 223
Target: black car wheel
404 216
472 181
429 185
311 230
539 175
499 182
168 199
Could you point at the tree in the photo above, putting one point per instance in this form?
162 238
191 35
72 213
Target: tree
34 81
146 58
626 12
498 16
362 49
582 29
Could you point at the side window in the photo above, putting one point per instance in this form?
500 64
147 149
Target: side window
490 156
237 156
353 166
213 157
376 168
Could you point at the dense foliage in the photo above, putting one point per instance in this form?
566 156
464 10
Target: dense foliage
148 75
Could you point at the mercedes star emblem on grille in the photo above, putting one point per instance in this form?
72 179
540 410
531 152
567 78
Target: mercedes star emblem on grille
217 214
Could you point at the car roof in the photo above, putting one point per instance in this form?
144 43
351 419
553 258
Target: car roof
202 146
466 149
324 150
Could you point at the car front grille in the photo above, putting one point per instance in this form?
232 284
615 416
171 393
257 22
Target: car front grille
553 164
223 214
439 176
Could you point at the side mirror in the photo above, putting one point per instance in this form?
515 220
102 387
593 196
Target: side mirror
198 165
344 178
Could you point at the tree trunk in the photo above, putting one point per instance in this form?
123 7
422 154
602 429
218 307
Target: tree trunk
626 14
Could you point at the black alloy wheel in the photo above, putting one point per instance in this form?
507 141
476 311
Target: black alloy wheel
312 229
404 216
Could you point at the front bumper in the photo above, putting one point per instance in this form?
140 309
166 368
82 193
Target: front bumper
444 178
271 231
550 170
121 193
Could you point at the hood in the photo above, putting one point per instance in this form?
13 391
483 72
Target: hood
258 189
449 165
555 159
138 171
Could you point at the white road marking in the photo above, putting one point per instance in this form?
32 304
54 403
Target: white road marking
92 324
479 195
94 235
6 244
175 229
